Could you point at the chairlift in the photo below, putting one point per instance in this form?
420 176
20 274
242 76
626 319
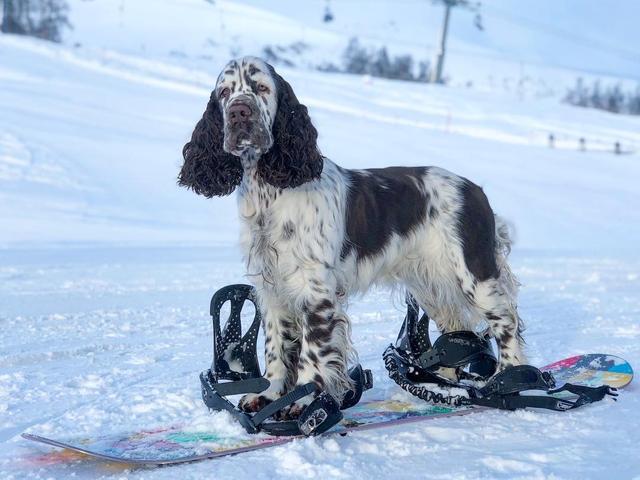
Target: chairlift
328 15
477 21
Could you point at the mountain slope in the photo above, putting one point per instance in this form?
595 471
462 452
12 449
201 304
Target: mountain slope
91 146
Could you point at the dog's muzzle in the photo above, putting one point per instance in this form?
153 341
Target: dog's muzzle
245 129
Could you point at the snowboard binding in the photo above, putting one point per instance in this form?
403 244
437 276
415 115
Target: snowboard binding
235 370
414 363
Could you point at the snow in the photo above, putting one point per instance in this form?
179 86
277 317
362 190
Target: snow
91 148
124 352
107 268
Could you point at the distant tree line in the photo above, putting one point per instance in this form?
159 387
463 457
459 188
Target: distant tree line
36 18
361 60
611 98
284 55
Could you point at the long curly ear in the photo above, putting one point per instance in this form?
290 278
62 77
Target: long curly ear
294 158
208 170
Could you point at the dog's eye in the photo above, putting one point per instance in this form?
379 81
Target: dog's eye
263 88
224 93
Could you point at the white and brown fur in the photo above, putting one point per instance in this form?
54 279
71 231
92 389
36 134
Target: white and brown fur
314 233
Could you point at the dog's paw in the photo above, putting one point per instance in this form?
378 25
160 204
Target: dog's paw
253 402
293 411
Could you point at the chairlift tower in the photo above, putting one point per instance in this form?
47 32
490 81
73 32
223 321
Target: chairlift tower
436 73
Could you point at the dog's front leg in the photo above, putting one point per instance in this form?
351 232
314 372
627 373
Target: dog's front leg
325 350
282 349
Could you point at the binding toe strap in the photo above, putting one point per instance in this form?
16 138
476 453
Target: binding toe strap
282 402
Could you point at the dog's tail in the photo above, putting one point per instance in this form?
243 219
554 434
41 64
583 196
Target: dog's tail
505 234
504 240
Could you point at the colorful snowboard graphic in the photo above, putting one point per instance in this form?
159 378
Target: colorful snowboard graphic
175 444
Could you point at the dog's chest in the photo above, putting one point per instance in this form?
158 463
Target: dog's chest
285 233
269 234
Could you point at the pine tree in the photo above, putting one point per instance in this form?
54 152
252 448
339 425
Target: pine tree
381 65
615 99
12 17
635 102
578 95
38 18
402 67
356 58
595 100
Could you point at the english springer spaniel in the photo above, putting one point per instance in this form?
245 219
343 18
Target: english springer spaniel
314 233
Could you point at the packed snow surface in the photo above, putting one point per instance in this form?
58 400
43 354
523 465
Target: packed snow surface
99 341
107 267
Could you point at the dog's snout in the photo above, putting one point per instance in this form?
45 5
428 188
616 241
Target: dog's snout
239 113
245 128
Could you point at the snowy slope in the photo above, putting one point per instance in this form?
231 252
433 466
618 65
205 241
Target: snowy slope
536 46
517 35
91 144
106 267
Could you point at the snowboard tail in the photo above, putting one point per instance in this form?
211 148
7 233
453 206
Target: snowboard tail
179 444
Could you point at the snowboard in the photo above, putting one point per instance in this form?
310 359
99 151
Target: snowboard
178 444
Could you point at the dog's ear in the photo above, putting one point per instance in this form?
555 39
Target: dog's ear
294 158
208 170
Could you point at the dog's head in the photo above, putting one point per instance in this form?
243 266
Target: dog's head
252 114
246 90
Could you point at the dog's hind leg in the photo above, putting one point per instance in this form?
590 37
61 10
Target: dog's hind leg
483 275
497 304
496 299
447 317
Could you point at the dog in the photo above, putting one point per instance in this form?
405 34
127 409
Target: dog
314 233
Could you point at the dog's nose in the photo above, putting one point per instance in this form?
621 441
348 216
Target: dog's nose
239 113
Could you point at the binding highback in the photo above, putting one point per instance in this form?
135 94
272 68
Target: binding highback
234 355
452 350
414 333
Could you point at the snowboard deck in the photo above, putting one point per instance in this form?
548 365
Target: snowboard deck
177 444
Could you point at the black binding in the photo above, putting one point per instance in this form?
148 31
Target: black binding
229 343
453 350
413 364
322 414
235 360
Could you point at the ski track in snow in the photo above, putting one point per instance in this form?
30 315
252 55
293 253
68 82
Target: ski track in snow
112 339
